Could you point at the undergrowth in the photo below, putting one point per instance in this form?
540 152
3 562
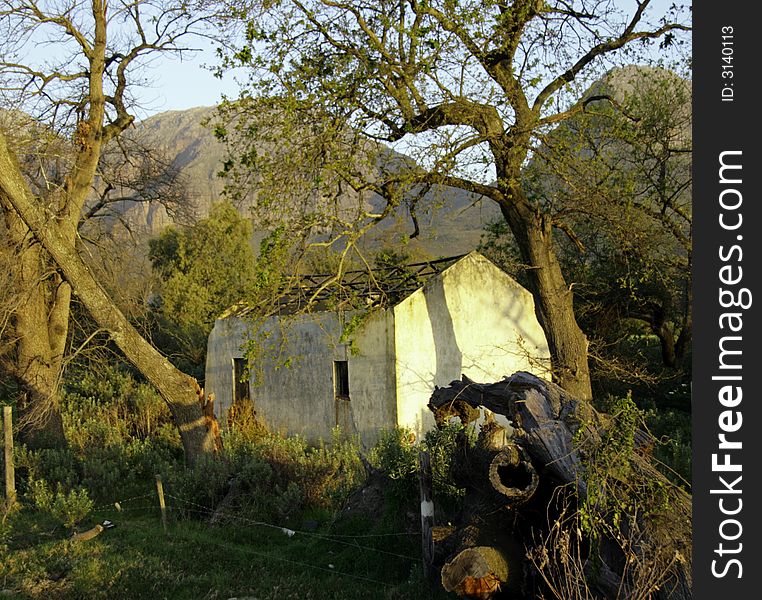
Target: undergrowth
260 520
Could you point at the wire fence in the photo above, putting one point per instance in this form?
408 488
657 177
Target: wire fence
180 507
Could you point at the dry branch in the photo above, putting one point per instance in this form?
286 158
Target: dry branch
87 535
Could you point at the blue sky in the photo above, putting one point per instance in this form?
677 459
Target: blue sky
181 84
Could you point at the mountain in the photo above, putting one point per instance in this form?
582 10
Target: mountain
192 148
451 221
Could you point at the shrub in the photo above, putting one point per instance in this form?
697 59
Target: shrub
442 444
108 472
109 407
672 429
627 516
270 477
61 465
396 454
241 421
68 508
200 488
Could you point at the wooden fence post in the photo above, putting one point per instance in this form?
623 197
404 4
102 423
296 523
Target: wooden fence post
160 492
427 514
10 474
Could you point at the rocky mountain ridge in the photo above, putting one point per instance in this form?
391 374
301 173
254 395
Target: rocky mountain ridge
451 220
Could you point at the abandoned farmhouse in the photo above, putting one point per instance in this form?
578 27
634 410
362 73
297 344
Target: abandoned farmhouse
449 317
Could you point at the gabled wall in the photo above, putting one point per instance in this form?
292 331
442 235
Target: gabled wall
472 318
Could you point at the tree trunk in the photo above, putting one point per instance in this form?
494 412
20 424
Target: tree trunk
40 326
477 573
667 340
686 329
547 418
181 392
553 298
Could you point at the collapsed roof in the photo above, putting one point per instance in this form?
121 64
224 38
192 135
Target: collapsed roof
372 287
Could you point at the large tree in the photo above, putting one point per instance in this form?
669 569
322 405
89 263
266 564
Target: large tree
80 88
465 87
620 179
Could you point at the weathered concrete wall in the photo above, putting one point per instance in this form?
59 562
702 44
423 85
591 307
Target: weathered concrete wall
224 344
299 398
472 319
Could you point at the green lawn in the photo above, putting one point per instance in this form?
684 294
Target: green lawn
194 560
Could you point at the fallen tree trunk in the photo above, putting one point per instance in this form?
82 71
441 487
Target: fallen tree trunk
648 553
545 418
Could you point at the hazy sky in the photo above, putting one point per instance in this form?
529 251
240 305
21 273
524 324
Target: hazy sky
186 84
180 84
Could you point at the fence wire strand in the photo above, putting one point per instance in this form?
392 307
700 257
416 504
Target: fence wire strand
207 510
343 539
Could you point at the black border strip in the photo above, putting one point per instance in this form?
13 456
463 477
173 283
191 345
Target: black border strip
729 126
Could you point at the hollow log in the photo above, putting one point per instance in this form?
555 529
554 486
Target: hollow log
499 470
545 420
511 474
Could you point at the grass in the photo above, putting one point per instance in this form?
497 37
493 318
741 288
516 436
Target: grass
194 560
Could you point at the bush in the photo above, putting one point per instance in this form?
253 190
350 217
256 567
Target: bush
61 465
110 407
275 478
442 445
672 429
396 454
119 435
108 472
199 489
68 508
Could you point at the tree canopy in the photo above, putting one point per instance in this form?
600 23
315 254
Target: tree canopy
203 270
620 179
467 89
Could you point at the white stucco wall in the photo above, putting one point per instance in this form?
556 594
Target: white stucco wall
472 319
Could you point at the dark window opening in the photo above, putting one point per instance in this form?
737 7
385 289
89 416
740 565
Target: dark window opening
240 381
341 378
